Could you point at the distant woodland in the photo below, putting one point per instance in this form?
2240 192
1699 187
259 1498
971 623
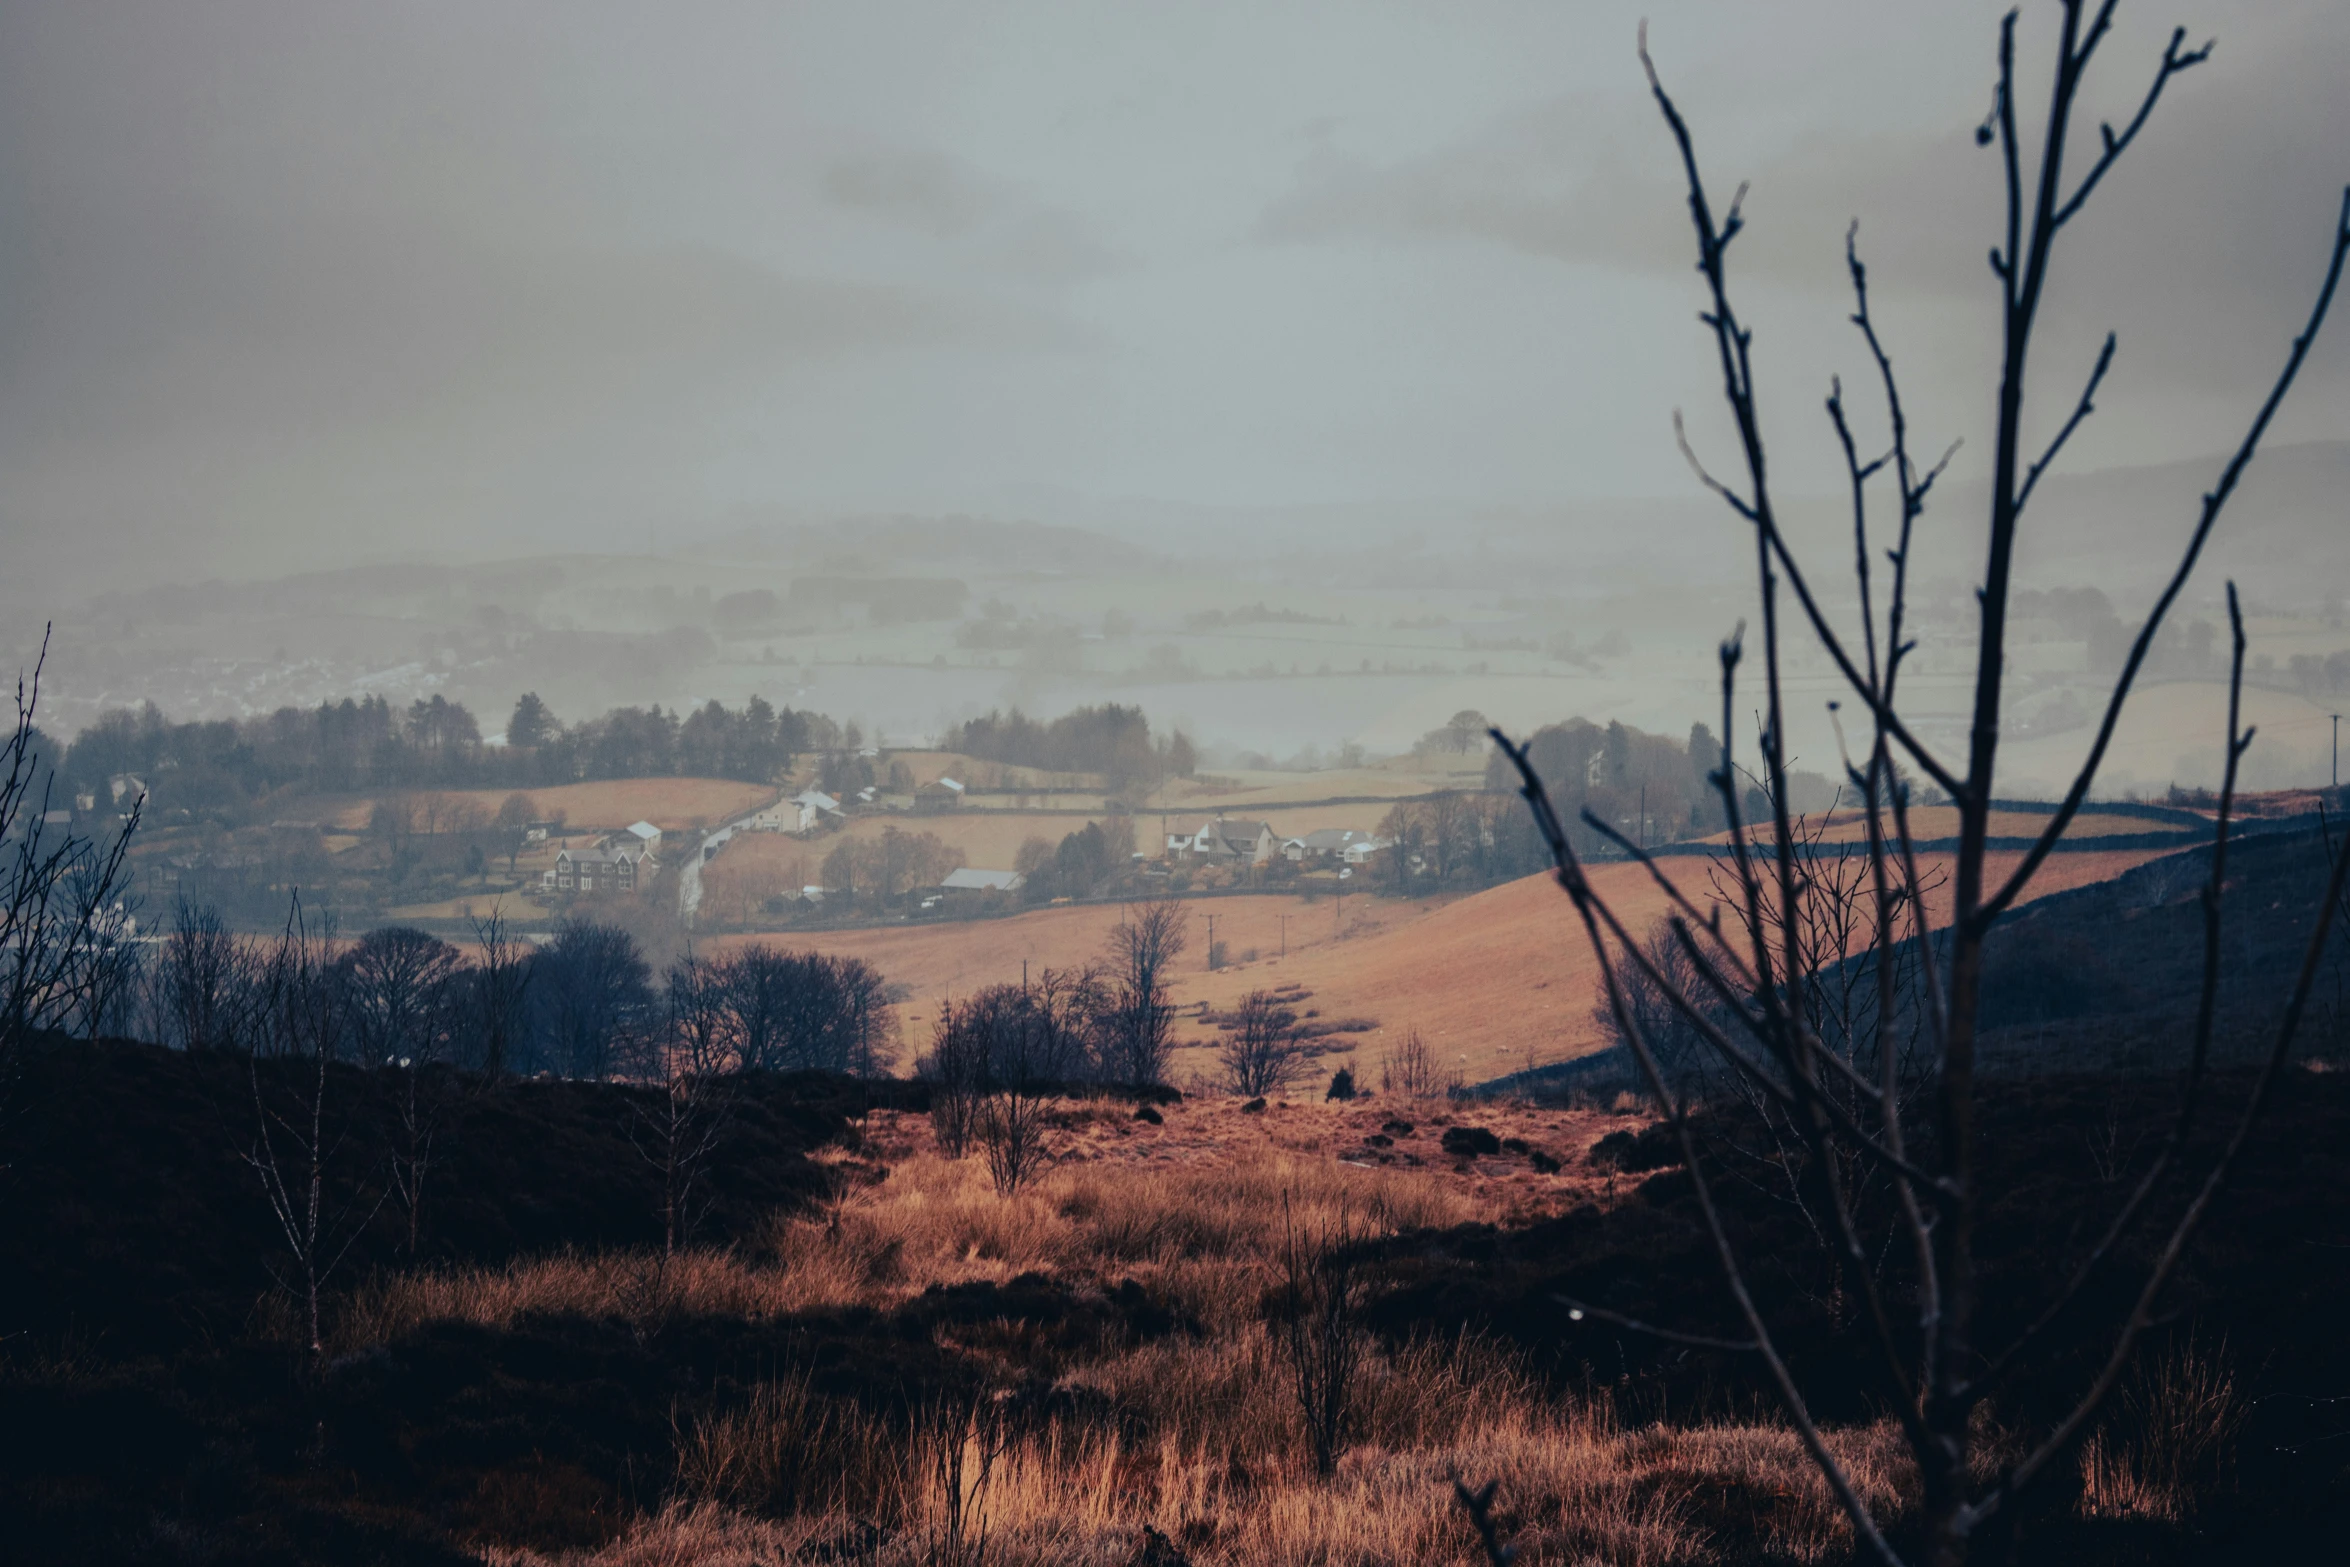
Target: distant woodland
1653 789
223 769
1111 740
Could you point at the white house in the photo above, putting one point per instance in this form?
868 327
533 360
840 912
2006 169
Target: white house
643 837
1226 841
803 812
1327 843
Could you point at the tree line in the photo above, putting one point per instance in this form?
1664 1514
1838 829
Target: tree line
1653 789
223 770
1112 740
587 1004
1084 864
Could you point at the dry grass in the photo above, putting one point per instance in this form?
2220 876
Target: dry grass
1194 1435
1207 1234
2169 1441
1216 1469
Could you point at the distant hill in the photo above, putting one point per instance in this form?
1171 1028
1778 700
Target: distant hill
895 545
2285 536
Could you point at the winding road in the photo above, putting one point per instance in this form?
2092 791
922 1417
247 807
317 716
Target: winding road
689 875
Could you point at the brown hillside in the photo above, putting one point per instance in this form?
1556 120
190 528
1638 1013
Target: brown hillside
1492 980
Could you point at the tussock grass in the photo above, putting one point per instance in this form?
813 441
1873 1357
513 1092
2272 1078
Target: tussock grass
1206 1235
1196 1434
640 1289
1205 1443
2170 1441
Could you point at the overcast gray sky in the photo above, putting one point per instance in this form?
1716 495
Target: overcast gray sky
288 284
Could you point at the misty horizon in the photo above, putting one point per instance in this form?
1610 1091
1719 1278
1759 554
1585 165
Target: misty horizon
418 352
415 283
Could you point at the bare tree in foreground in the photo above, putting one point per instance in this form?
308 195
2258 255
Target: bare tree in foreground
1408 1069
60 892
998 1060
401 986
679 1129
1750 1007
298 1142
954 1070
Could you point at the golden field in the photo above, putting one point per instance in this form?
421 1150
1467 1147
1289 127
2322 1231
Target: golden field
671 804
1494 981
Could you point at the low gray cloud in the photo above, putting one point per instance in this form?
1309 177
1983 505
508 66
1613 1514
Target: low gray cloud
281 283
2203 247
1003 227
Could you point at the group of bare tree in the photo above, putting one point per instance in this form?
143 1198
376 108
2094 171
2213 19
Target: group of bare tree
717 1020
883 870
402 1028
1265 1048
761 1009
1409 1068
1747 988
998 1057
65 918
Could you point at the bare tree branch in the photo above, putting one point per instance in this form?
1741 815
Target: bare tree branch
2213 503
1578 889
2175 60
2206 1007
2081 410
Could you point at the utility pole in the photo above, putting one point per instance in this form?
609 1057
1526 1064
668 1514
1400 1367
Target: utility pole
1211 941
1285 935
2337 750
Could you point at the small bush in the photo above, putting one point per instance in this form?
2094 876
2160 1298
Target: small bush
2169 1443
1469 1142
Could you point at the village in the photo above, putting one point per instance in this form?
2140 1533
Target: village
944 848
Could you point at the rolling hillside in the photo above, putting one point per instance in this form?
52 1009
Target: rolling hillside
1493 981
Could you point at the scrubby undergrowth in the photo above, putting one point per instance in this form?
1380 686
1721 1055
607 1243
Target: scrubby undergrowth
868 1355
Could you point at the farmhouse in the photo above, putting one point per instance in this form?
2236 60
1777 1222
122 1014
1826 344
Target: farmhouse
803 812
944 795
968 883
1225 841
1348 845
593 871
